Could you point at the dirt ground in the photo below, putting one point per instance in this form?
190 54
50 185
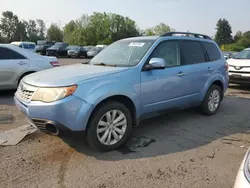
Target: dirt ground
187 150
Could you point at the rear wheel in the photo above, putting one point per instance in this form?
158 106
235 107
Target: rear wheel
109 127
212 100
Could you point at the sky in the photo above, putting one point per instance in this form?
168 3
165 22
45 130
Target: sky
198 16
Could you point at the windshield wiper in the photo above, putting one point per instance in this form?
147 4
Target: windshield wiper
104 64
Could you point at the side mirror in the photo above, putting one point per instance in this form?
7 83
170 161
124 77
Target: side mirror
156 63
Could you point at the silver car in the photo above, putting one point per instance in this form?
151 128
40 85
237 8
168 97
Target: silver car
243 177
15 63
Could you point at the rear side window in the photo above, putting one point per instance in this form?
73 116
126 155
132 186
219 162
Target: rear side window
192 52
212 50
28 46
6 53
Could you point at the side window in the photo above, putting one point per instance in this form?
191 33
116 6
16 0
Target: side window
212 50
168 50
192 52
6 53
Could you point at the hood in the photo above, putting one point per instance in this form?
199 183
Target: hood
239 62
69 75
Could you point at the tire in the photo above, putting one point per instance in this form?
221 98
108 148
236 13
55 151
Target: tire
94 138
207 109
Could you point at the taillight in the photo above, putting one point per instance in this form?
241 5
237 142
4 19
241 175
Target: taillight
226 66
55 64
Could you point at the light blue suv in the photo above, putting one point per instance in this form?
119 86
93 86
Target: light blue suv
130 80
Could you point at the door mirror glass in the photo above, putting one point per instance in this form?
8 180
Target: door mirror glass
156 63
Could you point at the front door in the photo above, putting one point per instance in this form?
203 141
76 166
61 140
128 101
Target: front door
12 65
163 89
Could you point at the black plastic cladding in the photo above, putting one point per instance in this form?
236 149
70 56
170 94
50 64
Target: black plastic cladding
196 35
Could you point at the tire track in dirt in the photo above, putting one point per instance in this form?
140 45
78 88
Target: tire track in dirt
63 167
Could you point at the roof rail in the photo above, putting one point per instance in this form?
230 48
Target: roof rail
196 35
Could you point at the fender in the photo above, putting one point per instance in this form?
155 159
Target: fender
215 77
98 90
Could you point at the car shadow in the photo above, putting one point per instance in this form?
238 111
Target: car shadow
175 132
7 97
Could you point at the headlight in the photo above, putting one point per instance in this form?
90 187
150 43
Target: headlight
247 166
53 94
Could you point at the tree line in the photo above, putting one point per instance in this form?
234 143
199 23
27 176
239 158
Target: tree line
102 28
228 42
98 28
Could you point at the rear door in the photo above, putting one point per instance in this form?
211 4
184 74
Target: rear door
194 63
12 66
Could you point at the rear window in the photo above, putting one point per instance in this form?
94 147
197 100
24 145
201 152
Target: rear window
192 52
212 50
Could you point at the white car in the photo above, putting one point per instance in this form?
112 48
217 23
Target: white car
26 45
239 67
15 63
243 176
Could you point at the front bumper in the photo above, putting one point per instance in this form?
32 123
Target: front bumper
239 78
70 113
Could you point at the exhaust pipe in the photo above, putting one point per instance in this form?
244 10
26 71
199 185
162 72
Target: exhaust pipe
52 129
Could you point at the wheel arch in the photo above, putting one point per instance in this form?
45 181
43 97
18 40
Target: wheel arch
217 80
125 100
23 75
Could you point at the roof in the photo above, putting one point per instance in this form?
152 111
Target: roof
19 42
142 38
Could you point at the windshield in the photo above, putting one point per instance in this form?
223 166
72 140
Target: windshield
123 53
245 54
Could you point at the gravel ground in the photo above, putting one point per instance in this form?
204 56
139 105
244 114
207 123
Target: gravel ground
188 150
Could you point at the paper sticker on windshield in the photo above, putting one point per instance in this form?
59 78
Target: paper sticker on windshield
137 44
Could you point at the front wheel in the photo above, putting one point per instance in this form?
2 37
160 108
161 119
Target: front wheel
212 100
109 127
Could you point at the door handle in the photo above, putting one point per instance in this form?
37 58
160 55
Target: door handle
180 74
21 63
209 69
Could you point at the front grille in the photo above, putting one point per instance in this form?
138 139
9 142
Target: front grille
240 72
40 124
25 92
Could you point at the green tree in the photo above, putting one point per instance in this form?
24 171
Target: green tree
55 33
69 32
32 31
238 36
158 29
224 32
99 28
41 28
10 26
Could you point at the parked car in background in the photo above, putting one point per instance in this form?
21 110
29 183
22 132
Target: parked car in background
58 49
43 45
26 45
132 79
76 51
228 55
243 176
239 67
15 63
94 51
